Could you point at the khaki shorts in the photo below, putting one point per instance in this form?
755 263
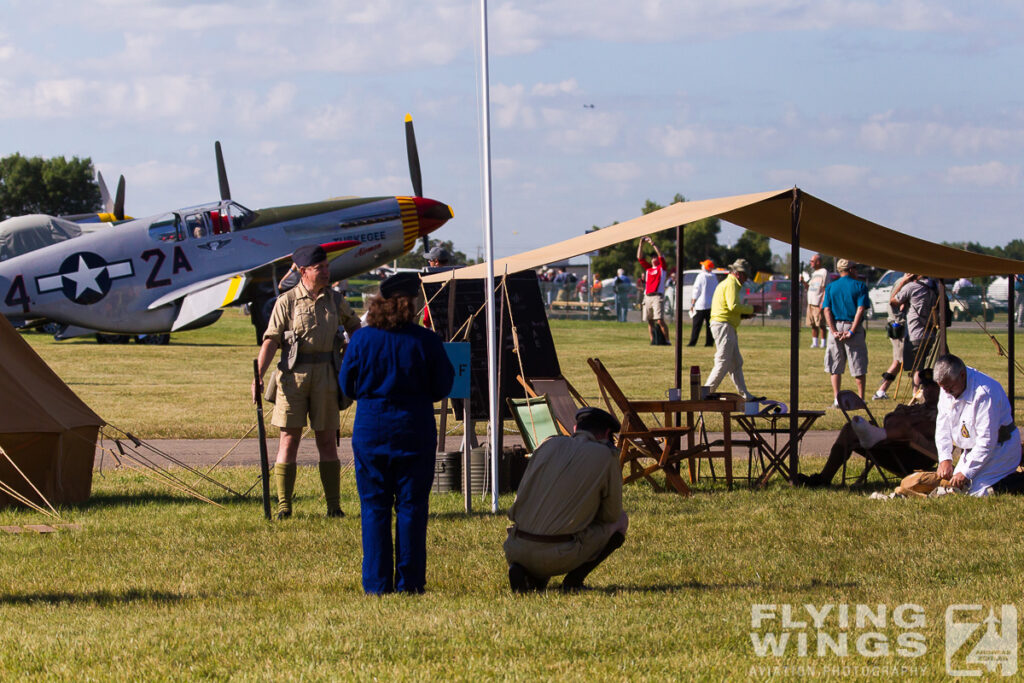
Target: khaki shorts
309 390
897 350
652 308
855 349
815 318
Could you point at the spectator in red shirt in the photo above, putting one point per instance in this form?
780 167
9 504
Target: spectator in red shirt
653 308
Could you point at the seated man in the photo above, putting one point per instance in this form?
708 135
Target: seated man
567 516
891 444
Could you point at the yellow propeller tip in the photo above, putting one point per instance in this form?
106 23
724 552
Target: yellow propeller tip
408 118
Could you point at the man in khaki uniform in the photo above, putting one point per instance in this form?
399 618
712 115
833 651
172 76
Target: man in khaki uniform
567 516
306 321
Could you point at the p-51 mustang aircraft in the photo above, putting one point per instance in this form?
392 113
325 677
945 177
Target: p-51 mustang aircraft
176 271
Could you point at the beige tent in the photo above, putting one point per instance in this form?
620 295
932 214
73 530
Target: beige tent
791 216
44 427
823 227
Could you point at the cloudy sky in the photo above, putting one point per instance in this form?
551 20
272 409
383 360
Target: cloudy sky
907 112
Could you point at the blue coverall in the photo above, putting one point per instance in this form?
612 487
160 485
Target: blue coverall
395 376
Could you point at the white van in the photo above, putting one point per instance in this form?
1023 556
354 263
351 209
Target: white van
882 291
689 276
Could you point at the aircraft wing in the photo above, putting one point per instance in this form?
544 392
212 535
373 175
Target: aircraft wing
198 303
206 296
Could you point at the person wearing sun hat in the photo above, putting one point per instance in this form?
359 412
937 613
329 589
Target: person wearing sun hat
845 306
727 309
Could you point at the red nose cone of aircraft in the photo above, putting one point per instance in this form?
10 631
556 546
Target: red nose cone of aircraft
433 214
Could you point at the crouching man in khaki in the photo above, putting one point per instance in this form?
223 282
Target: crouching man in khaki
567 517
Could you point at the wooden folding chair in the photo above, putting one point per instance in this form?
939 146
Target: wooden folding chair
638 443
562 395
534 419
850 402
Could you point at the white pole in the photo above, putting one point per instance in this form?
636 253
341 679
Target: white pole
492 365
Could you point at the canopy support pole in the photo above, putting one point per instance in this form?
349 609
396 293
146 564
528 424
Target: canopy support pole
492 343
794 334
1010 310
679 309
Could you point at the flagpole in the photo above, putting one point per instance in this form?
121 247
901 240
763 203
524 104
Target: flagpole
494 424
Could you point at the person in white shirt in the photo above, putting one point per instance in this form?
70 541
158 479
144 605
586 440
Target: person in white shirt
975 414
700 303
960 284
815 294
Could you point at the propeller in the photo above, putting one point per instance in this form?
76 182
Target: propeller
119 200
108 203
414 168
222 174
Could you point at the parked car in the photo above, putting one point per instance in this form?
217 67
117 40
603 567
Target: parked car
689 276
882 291
773 298
969 303
997 295
608 292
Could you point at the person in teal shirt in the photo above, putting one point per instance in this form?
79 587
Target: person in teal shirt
845 305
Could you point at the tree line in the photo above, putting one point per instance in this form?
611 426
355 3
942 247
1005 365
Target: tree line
54 186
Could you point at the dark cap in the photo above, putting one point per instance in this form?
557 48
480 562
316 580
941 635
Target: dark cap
438 254
597 417
400 284
309 255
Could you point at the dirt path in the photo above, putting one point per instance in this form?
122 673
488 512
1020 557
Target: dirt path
208 451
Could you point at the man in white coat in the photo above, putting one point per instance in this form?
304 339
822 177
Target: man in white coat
700 303
975 414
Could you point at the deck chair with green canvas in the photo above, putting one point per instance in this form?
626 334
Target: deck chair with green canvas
535 420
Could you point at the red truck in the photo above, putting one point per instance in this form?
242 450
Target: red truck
772 298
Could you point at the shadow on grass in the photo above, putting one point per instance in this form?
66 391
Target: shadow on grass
716 587
459 514
100 598
112 500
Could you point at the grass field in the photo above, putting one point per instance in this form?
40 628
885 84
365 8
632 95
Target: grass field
198 386
157 586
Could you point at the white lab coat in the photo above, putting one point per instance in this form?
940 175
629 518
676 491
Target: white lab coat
703 290
972 422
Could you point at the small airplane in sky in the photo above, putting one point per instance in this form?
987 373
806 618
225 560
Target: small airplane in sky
178 270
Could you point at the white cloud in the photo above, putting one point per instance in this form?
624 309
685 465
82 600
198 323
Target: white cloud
158 174
616 171
990 174
566 87
330 122
886 133
580 129
511 108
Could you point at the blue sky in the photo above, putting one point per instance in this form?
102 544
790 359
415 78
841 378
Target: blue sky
909 112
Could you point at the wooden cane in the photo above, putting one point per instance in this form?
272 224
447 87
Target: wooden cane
262 432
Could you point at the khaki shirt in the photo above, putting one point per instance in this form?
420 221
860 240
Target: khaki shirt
314 321
311 389
572 486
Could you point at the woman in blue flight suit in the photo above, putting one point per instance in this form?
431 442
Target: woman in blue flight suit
396 371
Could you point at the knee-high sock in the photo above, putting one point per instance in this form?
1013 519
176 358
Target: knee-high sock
330 477
284 476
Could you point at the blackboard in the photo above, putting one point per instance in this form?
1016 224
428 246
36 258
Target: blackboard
536 347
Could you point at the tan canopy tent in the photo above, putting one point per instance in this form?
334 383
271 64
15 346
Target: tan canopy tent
790 216
47 431
823 227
